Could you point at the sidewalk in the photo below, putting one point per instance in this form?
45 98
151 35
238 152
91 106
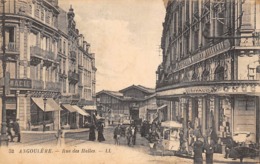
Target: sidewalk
54 132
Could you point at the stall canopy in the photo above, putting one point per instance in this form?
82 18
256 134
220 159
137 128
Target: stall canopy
69 108
80 111
51 105
172 124
90 107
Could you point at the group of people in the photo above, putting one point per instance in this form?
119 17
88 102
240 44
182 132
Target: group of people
100 129
201 144
129 132
13 130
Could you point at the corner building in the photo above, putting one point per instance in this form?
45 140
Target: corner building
210 70
40 43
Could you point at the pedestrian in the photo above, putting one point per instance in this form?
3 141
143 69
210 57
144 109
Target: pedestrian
134 132
16 128
60 138
129 135
92 132
117 134
142 129
209 147
198 149
153 139
10 129
100 132
230 144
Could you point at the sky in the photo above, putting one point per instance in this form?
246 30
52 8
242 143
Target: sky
125 36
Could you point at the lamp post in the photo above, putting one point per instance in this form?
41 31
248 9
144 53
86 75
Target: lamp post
3 137
44 101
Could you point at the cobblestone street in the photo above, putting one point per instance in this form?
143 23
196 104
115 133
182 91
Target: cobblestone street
79 140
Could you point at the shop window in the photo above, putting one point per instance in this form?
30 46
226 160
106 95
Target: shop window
219 73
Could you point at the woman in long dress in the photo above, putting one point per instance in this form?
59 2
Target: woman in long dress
92 133
100 132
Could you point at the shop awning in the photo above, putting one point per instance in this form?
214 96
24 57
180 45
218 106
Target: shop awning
80 111
69 108
90 107
51 105
161 107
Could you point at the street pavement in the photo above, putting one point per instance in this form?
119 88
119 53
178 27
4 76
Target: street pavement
78 140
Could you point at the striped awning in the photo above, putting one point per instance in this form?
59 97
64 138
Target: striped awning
80 111
69 108
51 105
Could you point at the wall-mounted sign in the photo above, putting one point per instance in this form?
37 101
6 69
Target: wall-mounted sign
211 51
198 90
20 83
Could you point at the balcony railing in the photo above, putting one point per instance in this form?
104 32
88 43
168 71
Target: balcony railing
73 55
10 47
73 76
37 84
50 55
37 52
53 86
75 96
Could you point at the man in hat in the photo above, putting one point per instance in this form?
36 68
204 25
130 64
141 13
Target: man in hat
16 128
198 149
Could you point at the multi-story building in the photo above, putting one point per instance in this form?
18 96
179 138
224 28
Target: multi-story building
43 48
210 70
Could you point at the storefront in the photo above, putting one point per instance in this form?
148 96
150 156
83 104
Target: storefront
44 112
228 110
73 117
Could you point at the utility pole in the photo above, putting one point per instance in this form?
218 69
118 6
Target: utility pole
3 137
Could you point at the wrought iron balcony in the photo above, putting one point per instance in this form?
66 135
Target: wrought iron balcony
73 55
37 84
53 86
49 55
73 76
37 52
10 48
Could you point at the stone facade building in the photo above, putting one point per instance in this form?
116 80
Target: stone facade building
210 70
47 59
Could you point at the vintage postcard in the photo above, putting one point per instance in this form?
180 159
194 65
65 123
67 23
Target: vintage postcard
130 81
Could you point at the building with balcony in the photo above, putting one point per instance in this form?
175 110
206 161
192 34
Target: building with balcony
42 52
209 75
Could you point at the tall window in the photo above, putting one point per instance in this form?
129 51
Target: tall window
219 73
205 75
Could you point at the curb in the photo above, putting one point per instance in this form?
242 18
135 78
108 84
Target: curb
54 132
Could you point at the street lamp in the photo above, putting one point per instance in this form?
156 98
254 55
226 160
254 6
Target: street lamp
3 137
44 102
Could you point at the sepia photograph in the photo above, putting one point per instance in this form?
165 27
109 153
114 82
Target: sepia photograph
130 81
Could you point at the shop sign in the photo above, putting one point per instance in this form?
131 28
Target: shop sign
20 83
214 50
198 90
